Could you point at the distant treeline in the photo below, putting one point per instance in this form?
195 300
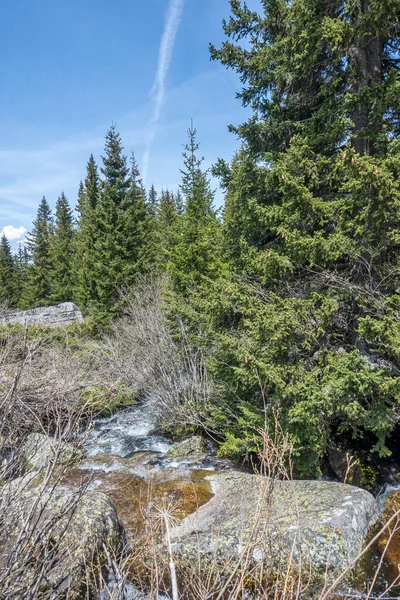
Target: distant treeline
121 231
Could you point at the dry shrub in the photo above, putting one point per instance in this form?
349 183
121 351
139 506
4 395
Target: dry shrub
40 385
44 383
156 569
142 348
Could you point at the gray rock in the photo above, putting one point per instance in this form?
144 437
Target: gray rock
62 314
68 527
39 450
323 523
193 447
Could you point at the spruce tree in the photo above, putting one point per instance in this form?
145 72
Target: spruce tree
167 221
38 288
178 202
86 236
122 228
7 274
138 227
194 253
61 251
21 264
312 219
152 201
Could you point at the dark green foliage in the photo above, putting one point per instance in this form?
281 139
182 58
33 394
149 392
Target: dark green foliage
308 319
152 201
85 238
109 220
167 221
194 253
62 253
7 274
21 270
38 287
141 252
121 229
326 70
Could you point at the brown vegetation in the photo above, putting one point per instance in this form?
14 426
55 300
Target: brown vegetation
45 386
142 348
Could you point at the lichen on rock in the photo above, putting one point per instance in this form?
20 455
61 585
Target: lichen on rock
64 529
39 450
192 447
318 523
52 316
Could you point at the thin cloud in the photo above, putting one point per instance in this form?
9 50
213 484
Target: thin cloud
173 20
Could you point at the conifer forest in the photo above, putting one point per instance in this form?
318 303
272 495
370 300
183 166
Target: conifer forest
284 301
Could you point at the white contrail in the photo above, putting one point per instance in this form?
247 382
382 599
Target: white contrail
172 22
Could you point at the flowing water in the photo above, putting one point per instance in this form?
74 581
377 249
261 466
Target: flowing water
127 459
127 432
130 432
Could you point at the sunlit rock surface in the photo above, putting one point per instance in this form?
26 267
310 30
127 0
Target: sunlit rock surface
191 448
322 523
62 314
39 450
67 526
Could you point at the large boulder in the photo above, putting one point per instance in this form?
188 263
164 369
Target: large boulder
193 447
39 450
321 523
62 314
51 536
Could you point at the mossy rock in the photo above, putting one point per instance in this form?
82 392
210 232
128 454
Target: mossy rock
39 450
193 447
104 400
314 523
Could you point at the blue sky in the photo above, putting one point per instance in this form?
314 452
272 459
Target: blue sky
69 69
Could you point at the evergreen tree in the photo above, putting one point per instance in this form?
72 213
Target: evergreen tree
167 221
194 253
21 264
154 250
86 236
7 274
195 184
62 253
121 228
179 204
141 248
152 201
312 219
38 286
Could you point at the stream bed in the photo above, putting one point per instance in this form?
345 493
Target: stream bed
127 459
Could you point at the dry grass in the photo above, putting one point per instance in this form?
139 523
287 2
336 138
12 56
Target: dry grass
41 389
157 568
142 348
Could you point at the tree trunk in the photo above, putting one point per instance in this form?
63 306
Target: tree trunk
366 61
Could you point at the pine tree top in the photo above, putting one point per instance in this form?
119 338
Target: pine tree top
115 169
195 185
